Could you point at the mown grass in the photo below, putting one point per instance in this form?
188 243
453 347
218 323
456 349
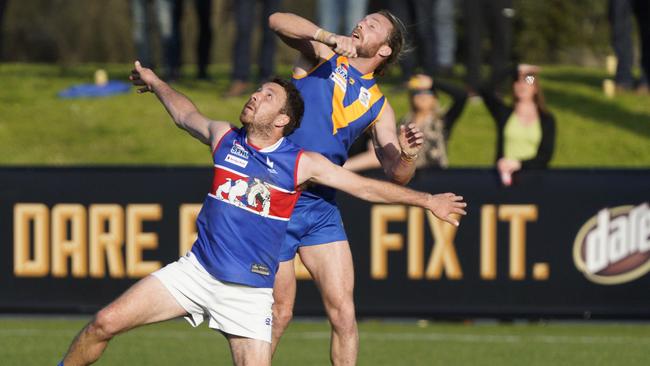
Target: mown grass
43 341
37 128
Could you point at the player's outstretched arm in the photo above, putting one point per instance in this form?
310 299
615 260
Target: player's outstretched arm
316 168
396 153
298 33
313 42
180 108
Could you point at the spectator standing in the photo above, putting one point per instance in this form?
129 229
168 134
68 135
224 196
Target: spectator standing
620 18
643 18
417 17
526 129
244 18
495 18
3 6
332 14
428 117
204 43
167 14
444 35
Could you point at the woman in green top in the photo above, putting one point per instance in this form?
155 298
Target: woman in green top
526 129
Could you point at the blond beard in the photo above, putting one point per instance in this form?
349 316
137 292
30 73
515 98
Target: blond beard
368 52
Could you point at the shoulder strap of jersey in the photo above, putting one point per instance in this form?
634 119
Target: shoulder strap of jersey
216 147
333 56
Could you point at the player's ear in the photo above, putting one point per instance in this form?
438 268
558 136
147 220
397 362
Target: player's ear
281 120
385 50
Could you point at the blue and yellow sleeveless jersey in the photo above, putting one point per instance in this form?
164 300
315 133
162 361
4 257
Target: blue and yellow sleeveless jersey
340 103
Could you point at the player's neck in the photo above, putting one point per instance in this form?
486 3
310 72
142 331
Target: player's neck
364 65
261 138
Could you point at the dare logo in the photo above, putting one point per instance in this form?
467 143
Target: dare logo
613 247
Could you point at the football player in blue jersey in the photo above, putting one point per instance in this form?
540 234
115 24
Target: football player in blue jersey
210 282
336 77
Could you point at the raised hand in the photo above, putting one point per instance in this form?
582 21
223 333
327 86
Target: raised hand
410 140
142 76
446 207
344 45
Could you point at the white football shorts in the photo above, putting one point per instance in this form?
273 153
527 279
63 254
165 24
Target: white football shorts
231 308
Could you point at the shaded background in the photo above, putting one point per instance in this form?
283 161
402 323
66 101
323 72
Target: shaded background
547 31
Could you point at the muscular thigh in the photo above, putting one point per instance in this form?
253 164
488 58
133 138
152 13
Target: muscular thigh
148 301
247 351
284 287
331 267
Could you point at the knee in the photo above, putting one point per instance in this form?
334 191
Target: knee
282 315
105 325
342 316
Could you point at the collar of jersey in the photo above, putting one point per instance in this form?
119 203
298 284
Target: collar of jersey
357 73
267 149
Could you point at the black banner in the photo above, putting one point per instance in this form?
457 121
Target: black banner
560 243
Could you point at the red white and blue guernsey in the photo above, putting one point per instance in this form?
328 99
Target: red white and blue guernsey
244 218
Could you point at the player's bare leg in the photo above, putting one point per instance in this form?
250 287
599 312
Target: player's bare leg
284 297
332 269
148 301
249 352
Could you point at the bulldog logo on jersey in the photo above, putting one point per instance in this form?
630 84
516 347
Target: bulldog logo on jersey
259 194
233 191
252 194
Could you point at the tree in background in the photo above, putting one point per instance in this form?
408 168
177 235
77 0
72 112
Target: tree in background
559 31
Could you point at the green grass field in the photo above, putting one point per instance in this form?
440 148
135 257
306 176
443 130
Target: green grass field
37 128
42 341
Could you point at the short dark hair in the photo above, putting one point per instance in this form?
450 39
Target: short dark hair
396 41
294 106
